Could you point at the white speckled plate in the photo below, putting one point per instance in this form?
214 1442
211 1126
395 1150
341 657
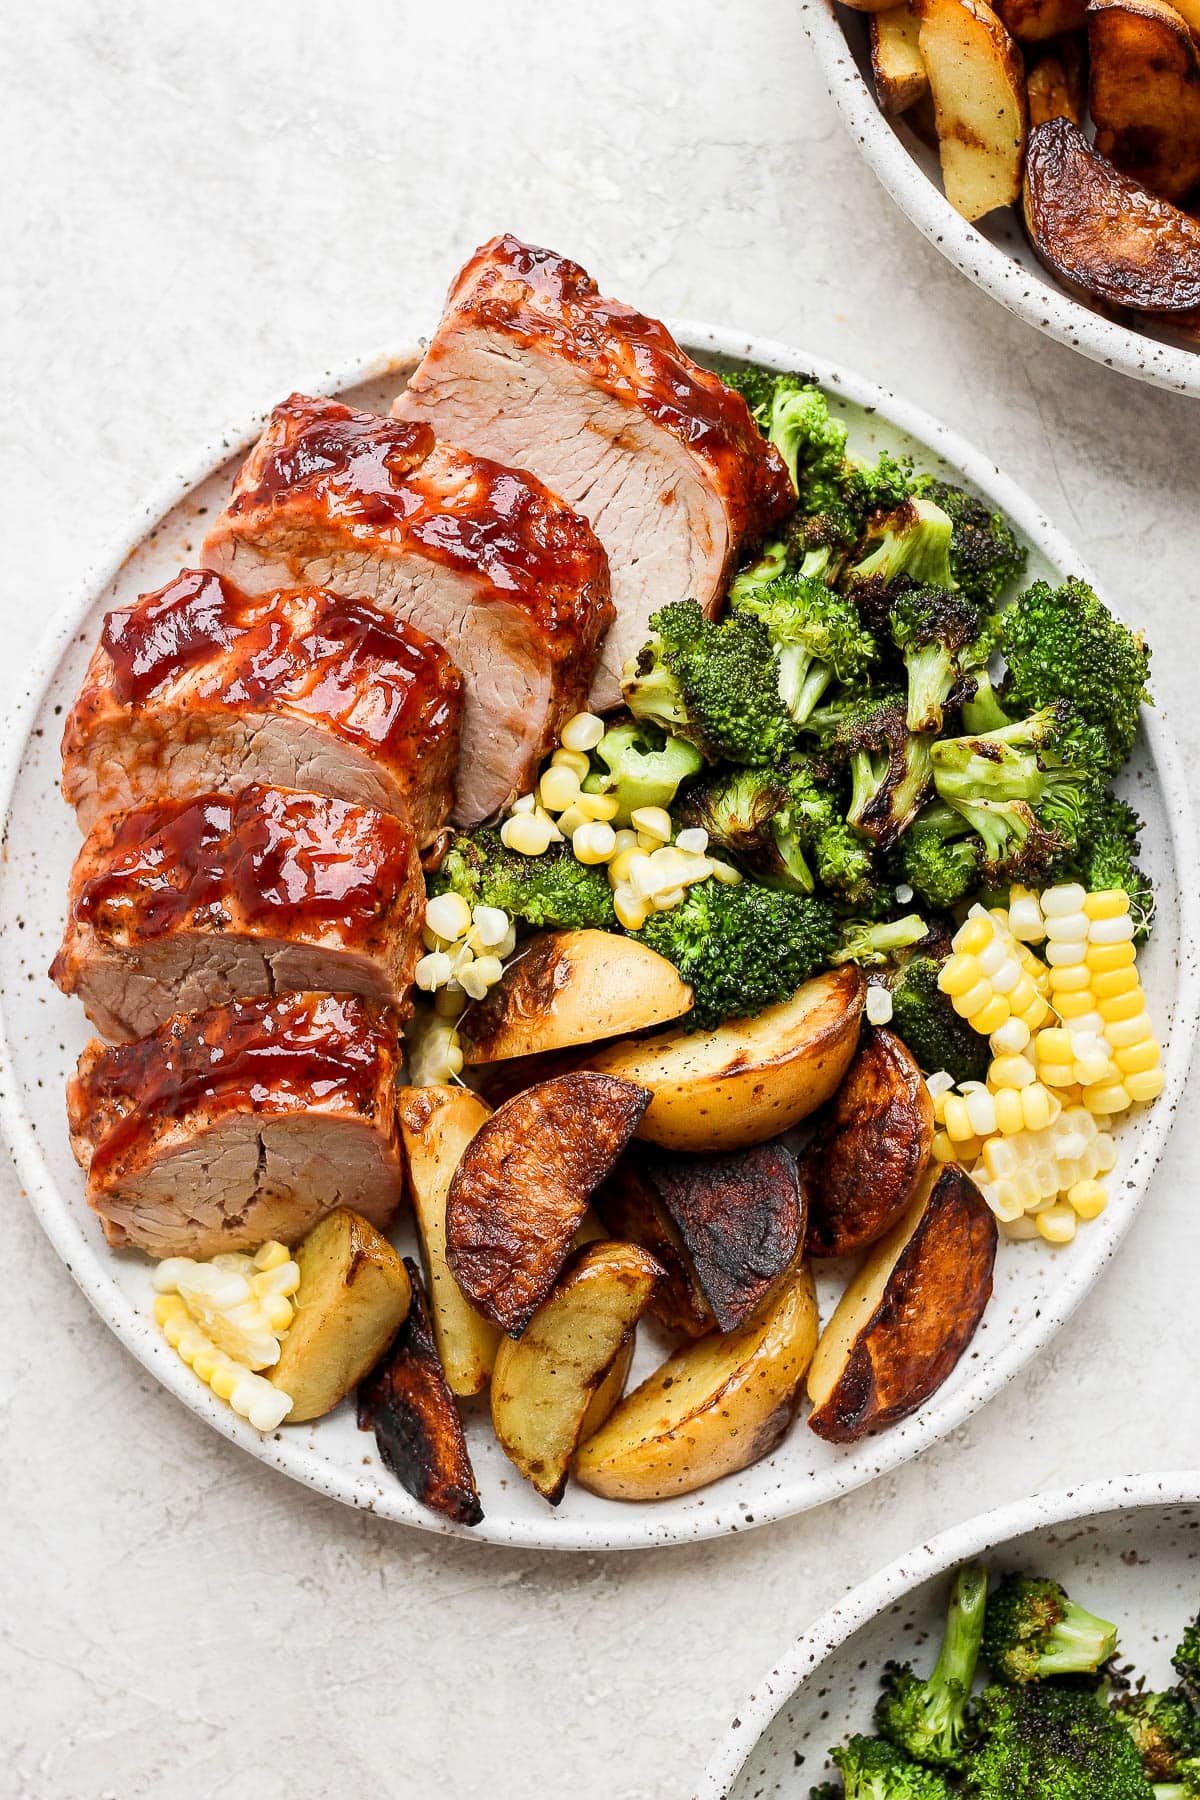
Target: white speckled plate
1128 1549
41 1033
994 253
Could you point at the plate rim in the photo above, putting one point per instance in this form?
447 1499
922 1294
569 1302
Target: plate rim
1034 298
629 1527
973 1537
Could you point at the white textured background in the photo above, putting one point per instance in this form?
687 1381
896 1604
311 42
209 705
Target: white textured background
202 205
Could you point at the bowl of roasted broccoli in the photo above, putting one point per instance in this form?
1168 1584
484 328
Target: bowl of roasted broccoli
1048 1651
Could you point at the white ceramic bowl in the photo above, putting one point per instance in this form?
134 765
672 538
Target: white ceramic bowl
41 1034
1128 1549
995 253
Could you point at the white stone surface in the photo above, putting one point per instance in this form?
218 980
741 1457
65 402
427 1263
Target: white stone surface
201 206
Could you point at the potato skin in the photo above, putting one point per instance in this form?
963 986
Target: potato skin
1144 93
523 1185
861 1169
1036 21
631 1209
406 1402
926 1317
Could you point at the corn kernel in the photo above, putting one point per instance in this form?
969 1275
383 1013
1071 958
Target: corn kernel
957 1118
1109 1097
1000 1159
277 1278
449 916
1111 931
1067 928
527 835
1074 978
1007 976
1019 1230
1087 1199
878 1007
582 731
1005 1199
1009 1116
169 1306
1145 1085
622 862
989 1018
652 821
724 872
632 909
1103 958
558 788
604 807
594 842
1136 1059
992 957
1121 1006
1094 1068
1122 1034
666 900
1057 1224
1053 1046
225 1378
1061 956
277 1312
981 1110
1074 1006
942 1148
1066 897
974 936
271 1255
1025 919
579 764
1115 982
526 804
1011 1072
959 973
1010 1038
1106 903
1037 1108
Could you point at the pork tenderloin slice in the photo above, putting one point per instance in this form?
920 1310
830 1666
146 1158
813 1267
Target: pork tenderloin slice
533 366
242 1123
192 903
482 558
200 688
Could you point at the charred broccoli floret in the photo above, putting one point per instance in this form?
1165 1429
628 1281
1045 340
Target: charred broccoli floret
1106 857
816 635
1186 1661
924 1019
1033 1631
890 767
985 556
873 1769
1051 1743
940 856
1063 643
712 683
742 948
641 766
943 637
551 889
909 545
928 1719
783 828
1166 1731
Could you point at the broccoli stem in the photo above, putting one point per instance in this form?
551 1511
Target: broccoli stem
930 679
1079 1643
803 678
791 854
958 1657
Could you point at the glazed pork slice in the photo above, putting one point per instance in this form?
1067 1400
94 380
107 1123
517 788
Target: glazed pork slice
482 558
246 1122
200 688
531 365
187 904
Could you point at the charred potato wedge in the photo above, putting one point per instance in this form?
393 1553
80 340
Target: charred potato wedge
1057 84
1103 234
522 1188
545 1383
714 1407
573 987
750 1079
978 82
1144 93
897 65
740 1218
909 1313
353 1296
861 1169
632 1211
1036 21
406 1402
437 1124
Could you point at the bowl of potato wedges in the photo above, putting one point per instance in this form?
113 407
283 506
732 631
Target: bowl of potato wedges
1050 149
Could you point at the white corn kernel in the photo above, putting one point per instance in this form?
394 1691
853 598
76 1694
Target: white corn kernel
594 842
432 971
1068 897
632 909
878 1005
1067 928
1111 931
652 821
1025 919
1010 1038
574 760
527 835
582 731
448 915
526 804
724 872
1062 956
694 840
491 924
940 1082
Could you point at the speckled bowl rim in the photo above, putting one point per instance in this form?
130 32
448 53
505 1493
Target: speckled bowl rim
980 1536
1035 297
624 1525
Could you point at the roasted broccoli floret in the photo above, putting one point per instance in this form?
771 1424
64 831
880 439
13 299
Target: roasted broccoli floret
943 637
816 635
551 889
1063 643
742 948
1106 857
911 544
712 683
928 1719
874 942
1186 1661
784 828
1033 1631
985 556
873 1769
924 1019
940 856
641 766
890 767
1051 1743
1166 1730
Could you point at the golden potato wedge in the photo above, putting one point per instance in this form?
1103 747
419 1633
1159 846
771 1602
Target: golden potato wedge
572 987
406 1402
714 1407
750 1079
632 1211
908 1314
522 1188
740 1218
861 1168
897 65
352 1299
545 1381
1102 233
1036 21
610 1390
437 1124
978 82
1144 93
1057 83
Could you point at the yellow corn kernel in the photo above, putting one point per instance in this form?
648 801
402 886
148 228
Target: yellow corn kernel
975 935
1001 1159
224 1379
1106 903
1109 1097
281 1278
1009 1116
602 807
622 862
652 821
570 821
1136 1059
1122 1034
939 1106
632 909
1121 1006
582 731
527 835
973 1001
725 872
1075 1005
959 974
277 1313
271 1255
991 1017
957 1119
1145 1085
1070 978
1087 1199
1103 958
558 788
205 1361
943 1148
593 842
1053 1046
1011 1072
1057 1224
169 1306
1114 982
579 764
1034 967
1037 1107
1094 1068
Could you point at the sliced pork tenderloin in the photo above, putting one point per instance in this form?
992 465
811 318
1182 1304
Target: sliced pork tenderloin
200 688
482 558
192 903
531 365
246 1122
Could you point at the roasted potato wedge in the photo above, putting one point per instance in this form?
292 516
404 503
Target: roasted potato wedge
352 1299
740 1218
751 1078
896 61
714 1407
546 1381
908 1314
1057 83
978 84
437 1124
1144 93
610 1390
872 6
861 1168
1102 233
1036 21
572 987
630 1207
406 1402
522 1188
